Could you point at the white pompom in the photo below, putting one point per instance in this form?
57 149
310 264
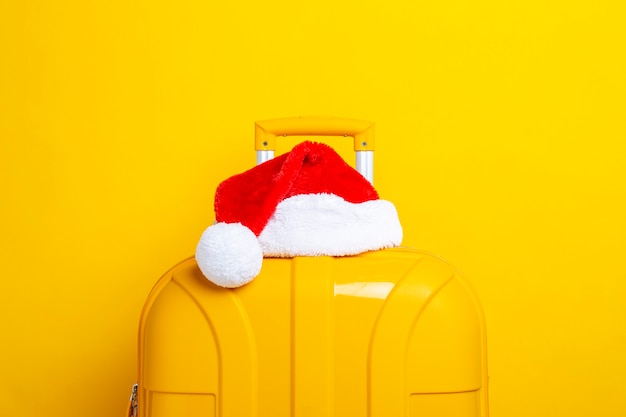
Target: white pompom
229 254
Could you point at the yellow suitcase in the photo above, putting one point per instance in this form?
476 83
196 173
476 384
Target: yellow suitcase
390 333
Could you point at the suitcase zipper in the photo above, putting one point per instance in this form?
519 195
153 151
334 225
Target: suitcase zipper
132 403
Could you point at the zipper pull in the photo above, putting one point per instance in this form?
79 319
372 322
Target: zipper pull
132 402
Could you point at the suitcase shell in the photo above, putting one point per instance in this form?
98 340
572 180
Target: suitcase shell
395 332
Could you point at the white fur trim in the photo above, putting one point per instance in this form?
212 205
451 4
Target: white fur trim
326 224
229 255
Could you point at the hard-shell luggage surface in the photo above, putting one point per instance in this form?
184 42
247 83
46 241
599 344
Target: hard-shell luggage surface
394 332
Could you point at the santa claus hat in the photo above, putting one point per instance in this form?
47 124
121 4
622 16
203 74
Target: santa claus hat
308 202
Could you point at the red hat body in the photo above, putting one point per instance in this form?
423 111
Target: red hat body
250 198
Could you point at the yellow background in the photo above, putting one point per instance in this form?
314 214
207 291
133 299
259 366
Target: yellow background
500 137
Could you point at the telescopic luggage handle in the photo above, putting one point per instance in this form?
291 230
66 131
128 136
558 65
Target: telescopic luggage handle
361 131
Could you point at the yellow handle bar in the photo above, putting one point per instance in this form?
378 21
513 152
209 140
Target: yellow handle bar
266 131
